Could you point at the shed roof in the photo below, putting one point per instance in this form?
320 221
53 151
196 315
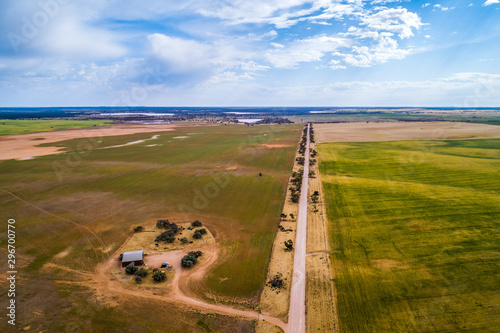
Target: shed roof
132 256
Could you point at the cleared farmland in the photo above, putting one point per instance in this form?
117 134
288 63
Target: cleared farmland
8 126
74 210
414 231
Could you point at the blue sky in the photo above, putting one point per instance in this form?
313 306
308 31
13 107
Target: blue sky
250 53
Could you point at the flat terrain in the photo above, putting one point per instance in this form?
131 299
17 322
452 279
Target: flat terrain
9 127
28 146
414 230
74 210
395 131
321 304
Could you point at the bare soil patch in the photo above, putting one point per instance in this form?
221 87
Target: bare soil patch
385 264
275 146
396 131
23 146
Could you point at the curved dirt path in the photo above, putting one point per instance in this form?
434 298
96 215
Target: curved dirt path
106 285
297 312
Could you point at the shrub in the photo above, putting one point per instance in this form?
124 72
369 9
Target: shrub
131 269
197 234
196 223
288 245
166 236
141 272
195 254
203 231
138 229
138 279
276 282
188 261
159 276
184 240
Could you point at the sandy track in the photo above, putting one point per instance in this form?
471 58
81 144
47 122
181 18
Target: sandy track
297 313
395 131
25 146
106 285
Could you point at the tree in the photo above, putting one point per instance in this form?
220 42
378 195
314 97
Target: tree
288 245
196 223
141 272
184 240
292 216
203 231
188 260
159 276
138 279
131 269
195 254
276 282
138 229
197 234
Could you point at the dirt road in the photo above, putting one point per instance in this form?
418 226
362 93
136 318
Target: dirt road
104 283
297 312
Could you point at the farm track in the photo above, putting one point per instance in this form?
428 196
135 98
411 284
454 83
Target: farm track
106 286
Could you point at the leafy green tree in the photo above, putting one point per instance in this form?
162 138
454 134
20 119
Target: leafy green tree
288 245
197 234
159 276
141 272
131 269
188 261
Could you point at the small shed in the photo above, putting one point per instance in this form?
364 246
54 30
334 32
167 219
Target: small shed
135 257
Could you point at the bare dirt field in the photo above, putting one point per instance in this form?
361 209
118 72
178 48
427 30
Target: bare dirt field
396 131
25 146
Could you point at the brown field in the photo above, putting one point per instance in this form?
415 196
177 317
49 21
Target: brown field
26 146
321 310
396 131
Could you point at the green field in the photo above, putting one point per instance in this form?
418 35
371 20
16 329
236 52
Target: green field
8 126
414 230
111 190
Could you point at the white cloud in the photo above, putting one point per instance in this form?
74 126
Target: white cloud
491 2
443 8
386 49
398 20
306 50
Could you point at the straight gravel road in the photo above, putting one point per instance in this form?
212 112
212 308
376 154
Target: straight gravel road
297 312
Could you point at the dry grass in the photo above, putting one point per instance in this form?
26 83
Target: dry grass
264 326
276 303
145 240
321 311
272 302
394 131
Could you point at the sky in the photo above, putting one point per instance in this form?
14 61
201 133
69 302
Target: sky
356 53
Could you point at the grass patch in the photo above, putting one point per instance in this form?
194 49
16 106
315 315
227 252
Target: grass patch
8 127
415 226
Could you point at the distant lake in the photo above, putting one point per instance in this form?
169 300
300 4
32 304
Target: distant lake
136 114
243 113
248 121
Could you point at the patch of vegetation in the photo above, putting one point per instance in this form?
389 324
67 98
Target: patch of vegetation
142 272
159 276
190 259
288 245
9 127
131 269
276 282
